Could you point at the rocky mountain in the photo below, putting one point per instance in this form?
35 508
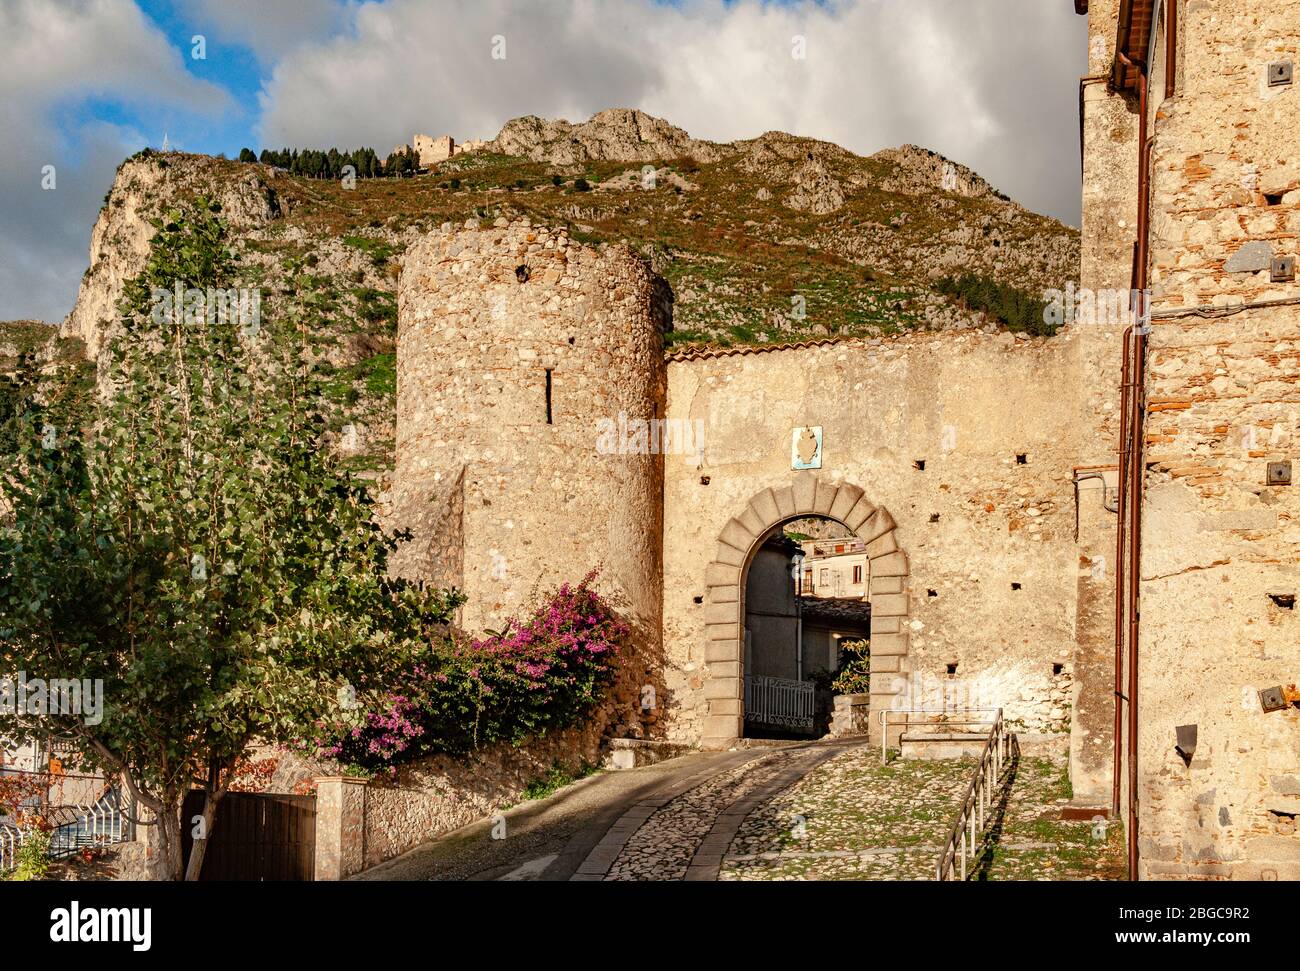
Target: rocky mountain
615 135
772 239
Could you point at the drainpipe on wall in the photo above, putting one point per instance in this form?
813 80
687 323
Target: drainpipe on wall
1121 534
1171 48
1136 428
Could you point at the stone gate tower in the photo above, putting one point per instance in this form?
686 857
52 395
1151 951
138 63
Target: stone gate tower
514 343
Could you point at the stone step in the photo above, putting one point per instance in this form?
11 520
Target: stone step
942 745
632 753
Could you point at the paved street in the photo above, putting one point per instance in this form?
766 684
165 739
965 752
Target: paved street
825 810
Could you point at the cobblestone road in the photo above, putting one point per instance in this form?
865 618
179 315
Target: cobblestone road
827 810
855 819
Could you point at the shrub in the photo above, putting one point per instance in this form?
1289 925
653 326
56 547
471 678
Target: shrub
1017 309
548 672
854 675
556 779
33 856
581 185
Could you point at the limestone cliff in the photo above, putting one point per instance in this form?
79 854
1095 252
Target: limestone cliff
146 185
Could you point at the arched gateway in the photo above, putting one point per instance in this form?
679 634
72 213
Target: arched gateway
807 495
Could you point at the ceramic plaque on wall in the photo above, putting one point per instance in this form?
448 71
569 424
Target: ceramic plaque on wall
806 448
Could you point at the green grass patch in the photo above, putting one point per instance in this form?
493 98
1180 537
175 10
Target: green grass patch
379 250
556 779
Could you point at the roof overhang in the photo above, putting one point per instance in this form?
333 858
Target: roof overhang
1133 39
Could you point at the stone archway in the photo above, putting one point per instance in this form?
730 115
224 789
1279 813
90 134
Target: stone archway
724 615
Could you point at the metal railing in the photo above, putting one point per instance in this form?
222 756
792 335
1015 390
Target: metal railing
1000 748
933 718
100 824
779 701
11 837
100 820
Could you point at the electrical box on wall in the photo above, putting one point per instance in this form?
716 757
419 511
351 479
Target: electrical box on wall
1279 473
1278 697
1283 270
1280 72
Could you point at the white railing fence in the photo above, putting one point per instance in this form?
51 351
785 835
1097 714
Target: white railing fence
76 828
100 824
11 837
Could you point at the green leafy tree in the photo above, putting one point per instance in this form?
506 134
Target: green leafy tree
197 551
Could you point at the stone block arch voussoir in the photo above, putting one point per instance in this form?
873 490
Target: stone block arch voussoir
724 612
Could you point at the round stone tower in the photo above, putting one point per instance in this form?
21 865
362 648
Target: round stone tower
518 351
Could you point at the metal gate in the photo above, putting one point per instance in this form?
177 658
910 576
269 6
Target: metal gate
780 702
256 836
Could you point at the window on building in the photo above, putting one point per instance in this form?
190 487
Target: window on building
857 574
826 577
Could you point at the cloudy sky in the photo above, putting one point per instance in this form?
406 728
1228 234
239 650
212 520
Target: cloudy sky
84 83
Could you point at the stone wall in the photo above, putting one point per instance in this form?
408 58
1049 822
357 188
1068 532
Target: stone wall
1109 128
1110 140
974 558
514 345
431 151
436 796
1223 386
361 823
954 455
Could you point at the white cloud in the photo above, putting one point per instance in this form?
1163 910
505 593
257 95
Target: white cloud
53 55
266 27
992 84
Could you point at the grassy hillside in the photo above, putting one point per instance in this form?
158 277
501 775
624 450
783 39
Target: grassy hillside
773 240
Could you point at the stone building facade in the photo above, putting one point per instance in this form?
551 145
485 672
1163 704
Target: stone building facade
982 471
512 338
952 457
1219 388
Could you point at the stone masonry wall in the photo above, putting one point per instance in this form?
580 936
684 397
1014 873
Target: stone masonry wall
433 150
514 342
972 524
1224 401
1110 143
435 796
